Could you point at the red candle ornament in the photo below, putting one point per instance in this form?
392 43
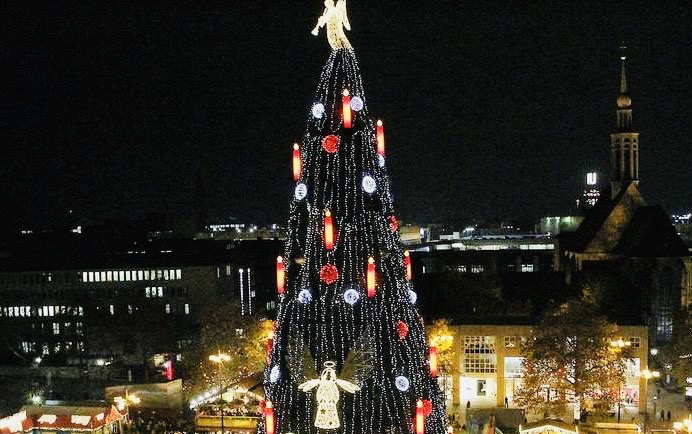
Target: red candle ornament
371 277
407 264
297 163
328 230
346 109
419 422
270 344
434 371
380 137
427 408
280 275
330 143
269 426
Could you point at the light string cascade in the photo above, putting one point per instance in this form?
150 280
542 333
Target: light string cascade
344 280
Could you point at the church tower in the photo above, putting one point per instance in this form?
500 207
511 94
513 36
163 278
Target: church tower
624 143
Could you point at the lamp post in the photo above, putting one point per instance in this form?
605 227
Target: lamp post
219 359
647 375
619 345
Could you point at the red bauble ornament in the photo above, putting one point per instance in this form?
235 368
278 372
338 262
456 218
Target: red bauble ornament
329 274
427 408
401 330
393 223
330 143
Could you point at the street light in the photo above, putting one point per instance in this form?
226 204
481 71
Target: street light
647 375
619 345
219 359
124 402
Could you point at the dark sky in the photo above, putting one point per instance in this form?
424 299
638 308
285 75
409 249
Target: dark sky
493 109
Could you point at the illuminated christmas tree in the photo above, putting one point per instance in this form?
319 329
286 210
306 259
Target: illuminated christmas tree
349 353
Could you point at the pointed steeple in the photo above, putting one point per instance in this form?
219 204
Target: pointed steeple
624 143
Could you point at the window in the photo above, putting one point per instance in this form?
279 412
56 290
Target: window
480 389
109 276
140 275
179 274
112 309
168 308
146 274
635 341
56 328
165 274
479 354
103 276
130 310
510 341
476 268
85 276
121 276
527 268
187 309
91 276
513 368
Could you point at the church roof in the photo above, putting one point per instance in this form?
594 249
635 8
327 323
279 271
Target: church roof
626 225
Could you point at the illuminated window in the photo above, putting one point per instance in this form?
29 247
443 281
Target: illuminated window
103 276
91 276
513 368
187 309
112 309
56 328
178 274
527 268
121 276
127 276
159 274
479 354
146 274
165 274
635 341
85 276
168 308
510 341
51 311
109 276
140 275
476 268
130 310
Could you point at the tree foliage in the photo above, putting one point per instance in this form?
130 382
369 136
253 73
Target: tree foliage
224 329
682 345
441 337
569 358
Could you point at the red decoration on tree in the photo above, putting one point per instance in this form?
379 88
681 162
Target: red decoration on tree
330 143
419 418
269 425
427 408
329 274
407 264
297 163
401 330
393 223
370 277
328 230
346 108
380 138
280 275
433 362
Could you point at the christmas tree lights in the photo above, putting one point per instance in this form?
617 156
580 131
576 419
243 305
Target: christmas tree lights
346 316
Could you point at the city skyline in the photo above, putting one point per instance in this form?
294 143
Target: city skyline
491 111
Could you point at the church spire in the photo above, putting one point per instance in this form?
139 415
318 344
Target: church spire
624 143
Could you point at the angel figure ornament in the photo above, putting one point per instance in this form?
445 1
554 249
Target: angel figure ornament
328 395
335 18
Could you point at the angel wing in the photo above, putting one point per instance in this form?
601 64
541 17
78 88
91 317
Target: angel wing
347 385
299 361
341 7
359 362
310 384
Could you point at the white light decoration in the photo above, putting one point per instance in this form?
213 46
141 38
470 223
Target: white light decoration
351 296
301 191
274 374
318 110
305 296
369 184
412 296
328 395
380 160
402 383
356 104
336 20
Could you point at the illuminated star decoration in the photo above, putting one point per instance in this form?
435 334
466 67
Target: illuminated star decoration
328 395
335 18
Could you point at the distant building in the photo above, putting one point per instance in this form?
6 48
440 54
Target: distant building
591 193
623 234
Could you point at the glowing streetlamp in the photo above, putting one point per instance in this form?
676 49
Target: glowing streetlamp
219 359
647 375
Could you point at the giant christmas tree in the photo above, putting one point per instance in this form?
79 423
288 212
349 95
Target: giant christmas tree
349 354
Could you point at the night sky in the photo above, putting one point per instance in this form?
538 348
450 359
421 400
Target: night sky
493 110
